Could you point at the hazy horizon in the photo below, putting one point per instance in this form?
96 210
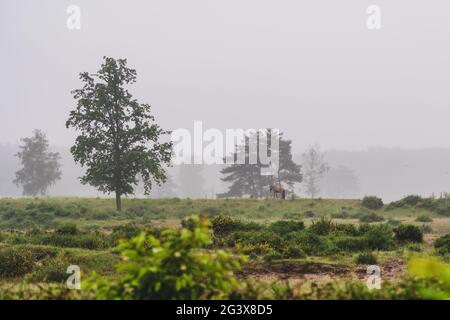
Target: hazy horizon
311 69
385 172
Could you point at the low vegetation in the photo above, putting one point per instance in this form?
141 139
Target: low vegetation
157 249
372 202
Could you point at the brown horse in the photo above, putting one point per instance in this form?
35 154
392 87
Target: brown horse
276 190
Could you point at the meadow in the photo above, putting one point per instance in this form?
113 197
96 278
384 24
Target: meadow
295 248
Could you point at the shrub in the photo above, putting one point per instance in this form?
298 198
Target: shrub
364 228
272 256
370 217
256 249
372 202
309 242
248 226
322 226
260 237
424 218
223 225
126 231
408 233
283 227
444 210
188 223
16 262
411 200
293 251
346 229
428 203
67 229
366 258
350 244
171 267
91 241
379 237
53 270
442 244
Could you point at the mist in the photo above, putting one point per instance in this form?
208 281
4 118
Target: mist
376 101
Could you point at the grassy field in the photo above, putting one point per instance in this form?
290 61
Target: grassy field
296 241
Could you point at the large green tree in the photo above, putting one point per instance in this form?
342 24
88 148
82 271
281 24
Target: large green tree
119 141
40 167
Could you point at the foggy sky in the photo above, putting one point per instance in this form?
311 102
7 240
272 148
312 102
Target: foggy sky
310 68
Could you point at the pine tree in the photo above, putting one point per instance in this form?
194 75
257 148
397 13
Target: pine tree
246 178
289 173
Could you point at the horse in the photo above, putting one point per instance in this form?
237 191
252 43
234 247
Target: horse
277 189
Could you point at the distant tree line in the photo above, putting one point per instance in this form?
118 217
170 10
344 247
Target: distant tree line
124 151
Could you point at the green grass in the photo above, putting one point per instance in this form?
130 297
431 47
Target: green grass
100 212
26 223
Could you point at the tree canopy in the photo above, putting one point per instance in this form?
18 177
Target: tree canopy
40 167
119 141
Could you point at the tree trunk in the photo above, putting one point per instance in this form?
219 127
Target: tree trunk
118 202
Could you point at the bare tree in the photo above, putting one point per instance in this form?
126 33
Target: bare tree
314 167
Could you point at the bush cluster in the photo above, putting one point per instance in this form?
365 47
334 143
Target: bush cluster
366 258
372 202
442 245
67 236
43 213
172 266
16 262
424 218
291 239
368 217
408 233
439 206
